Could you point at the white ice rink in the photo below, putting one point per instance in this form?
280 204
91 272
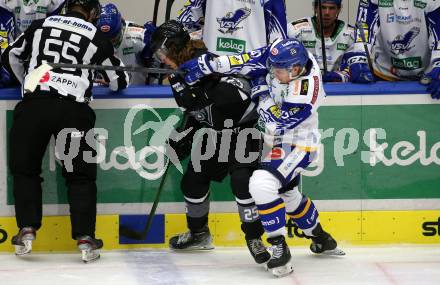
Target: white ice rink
362 265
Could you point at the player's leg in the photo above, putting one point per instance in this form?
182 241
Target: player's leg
263 187
81 178
195 188
29 137
250 221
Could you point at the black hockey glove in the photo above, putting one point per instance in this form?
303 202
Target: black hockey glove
182 146
186 96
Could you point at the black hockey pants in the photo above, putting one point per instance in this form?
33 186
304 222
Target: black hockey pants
36 119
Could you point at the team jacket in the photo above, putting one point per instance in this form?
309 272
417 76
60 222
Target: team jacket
403 36
26 11
64 39
131 49
306 30
235 26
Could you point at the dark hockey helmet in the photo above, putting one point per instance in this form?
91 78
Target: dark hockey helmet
88 5
337 2
169 34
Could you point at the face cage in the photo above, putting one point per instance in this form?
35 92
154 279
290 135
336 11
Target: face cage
161 52
289 70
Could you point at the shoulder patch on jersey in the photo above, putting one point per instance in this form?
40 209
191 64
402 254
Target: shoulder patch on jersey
303 20
238 59
300 24
315 89
304 87
134 25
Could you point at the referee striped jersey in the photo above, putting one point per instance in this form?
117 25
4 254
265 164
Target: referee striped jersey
64 39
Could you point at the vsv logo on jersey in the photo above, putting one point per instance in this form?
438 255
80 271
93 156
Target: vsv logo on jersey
401 44
229 23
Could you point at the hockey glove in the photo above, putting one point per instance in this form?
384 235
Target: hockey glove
335 76
187 97
432 79
360 73
259 88
197 68
182 144
149 27
6 80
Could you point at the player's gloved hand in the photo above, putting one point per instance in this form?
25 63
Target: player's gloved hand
259 88
183 94
5 78
335 76
360 73
432 80
197 68
149 27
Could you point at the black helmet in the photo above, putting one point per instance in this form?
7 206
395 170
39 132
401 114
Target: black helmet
88 5
169 34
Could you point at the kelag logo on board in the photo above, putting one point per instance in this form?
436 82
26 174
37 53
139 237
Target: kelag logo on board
431 229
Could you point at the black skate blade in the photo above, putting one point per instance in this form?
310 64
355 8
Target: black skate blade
131 234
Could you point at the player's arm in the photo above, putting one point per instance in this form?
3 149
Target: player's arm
116 79
251 64
192 14
19 51
275 19
431 78
355 60
296 108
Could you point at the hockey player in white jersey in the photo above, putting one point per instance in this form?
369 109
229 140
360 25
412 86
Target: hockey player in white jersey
235 26
131 41
289 91
338 37
26 11
403 37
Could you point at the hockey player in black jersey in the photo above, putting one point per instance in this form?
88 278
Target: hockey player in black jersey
223 107
58 107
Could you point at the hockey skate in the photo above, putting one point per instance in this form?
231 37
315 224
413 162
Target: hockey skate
280 263
258 250
23 241
324 243
192 241
89 248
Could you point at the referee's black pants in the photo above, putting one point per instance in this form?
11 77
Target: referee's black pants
36 120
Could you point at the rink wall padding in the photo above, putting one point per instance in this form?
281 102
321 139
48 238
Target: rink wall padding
377 180
349 228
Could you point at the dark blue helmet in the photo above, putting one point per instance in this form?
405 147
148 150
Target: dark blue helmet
110 21
337 2
287 53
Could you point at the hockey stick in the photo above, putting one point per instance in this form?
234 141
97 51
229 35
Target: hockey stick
364 42
132 234
155 11
33 78
321 31
168 9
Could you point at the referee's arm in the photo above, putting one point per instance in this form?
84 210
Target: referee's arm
117 79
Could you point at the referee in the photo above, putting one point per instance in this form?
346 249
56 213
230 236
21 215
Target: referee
59 107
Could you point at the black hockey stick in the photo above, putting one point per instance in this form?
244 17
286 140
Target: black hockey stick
360 28
168 9
321 32
155 11
33 78
133 234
